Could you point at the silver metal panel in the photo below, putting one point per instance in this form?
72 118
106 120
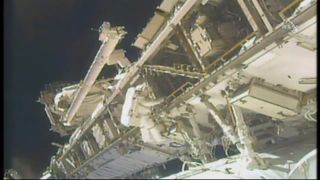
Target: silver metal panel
127 164
263 107
281 99
137 162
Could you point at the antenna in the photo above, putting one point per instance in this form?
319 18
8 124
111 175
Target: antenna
94 29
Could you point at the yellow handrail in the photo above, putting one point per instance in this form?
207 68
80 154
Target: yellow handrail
230 50
179 88
289 6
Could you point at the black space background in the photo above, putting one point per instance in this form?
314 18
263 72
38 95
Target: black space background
47 41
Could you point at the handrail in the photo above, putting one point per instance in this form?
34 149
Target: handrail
268 40
154 47
181 12
230 50
179 88
174 71
288 7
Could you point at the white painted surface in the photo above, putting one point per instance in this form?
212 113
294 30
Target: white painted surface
127 107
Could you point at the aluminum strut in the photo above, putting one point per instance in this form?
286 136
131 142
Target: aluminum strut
227 129
241 140
250 157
